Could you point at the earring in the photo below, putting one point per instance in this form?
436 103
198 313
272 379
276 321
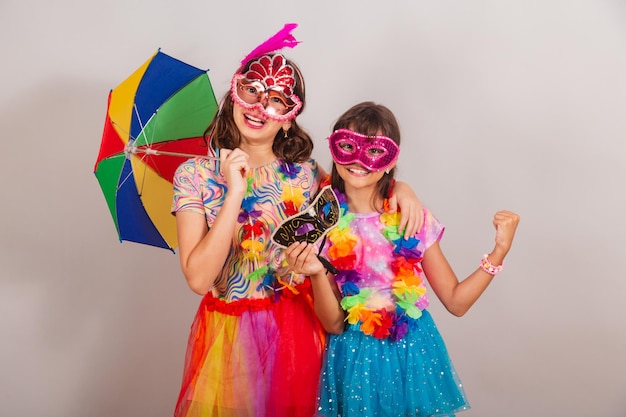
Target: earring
387 171
285 134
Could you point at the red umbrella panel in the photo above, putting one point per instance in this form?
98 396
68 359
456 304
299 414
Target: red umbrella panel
155 120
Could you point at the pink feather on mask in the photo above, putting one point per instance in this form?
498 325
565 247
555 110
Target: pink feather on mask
282 39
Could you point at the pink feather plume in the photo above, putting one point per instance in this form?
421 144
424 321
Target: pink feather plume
282 39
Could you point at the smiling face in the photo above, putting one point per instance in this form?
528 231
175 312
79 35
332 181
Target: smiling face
357 177
361 160
365 147
255 126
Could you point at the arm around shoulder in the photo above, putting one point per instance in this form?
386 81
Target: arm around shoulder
405 199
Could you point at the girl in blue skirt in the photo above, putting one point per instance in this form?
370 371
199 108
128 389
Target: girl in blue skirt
385 356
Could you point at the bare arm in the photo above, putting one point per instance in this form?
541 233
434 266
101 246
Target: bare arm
303 260
458 297
203 251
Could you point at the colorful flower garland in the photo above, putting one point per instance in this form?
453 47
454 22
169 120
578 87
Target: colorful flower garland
254 228
407 291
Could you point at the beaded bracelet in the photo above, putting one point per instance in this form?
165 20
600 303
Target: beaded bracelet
488 267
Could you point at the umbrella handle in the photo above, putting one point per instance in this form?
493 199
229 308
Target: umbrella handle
149 151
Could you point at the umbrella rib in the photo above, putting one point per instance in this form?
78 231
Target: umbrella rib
141 126
130 149
142 131
123 181
151 151
148 150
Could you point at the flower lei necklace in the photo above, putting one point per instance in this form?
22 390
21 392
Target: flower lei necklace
254 228
408 291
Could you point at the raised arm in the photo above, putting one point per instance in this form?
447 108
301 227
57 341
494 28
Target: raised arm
202 251
458 297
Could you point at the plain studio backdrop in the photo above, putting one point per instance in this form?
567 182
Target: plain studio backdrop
502 104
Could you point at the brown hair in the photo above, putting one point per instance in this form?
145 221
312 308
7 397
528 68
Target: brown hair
223 133
371 119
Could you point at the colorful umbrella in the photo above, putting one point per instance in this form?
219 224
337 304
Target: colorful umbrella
155 120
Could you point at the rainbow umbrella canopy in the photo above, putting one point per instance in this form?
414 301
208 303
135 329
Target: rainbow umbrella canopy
155 120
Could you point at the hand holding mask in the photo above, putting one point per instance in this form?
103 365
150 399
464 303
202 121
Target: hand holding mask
312 223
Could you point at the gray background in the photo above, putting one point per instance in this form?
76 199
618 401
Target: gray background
503 104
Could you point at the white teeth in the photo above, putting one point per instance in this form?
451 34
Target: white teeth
358 171
252 119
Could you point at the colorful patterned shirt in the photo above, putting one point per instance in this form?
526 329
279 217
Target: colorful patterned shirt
198 187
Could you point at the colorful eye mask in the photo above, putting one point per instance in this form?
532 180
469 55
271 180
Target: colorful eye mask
375 153
312 223
268 86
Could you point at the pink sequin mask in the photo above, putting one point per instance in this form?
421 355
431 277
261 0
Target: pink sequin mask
268 86
376 153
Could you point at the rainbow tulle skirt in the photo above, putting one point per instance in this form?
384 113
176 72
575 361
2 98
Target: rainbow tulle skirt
367 377
253 358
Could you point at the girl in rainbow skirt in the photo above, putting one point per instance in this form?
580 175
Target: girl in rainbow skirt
256 345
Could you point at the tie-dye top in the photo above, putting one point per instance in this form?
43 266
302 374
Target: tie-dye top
272 189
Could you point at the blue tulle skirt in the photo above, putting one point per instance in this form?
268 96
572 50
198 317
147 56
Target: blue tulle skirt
367 377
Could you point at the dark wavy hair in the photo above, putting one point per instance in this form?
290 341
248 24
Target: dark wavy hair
223 133
371 119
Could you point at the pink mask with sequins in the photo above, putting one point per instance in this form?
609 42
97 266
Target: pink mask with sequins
375 153
268 86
